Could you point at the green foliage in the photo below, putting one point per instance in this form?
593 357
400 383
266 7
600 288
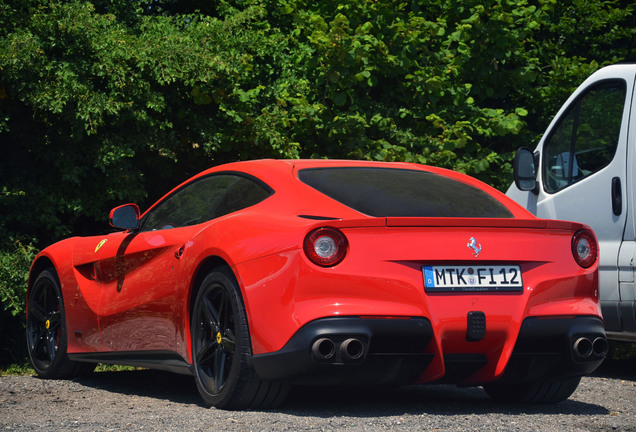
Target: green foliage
622 351
27 369
101 367
14 275
17 369
15 260
110 101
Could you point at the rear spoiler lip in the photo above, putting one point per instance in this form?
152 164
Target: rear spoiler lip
405 222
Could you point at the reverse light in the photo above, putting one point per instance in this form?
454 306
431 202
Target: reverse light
325 246
584 248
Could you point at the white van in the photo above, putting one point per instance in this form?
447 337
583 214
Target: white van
583 170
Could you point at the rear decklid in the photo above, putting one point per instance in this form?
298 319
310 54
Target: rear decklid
460 240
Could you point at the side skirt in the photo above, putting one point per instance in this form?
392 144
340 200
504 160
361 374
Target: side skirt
163 360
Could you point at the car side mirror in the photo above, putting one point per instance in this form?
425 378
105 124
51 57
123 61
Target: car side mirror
125 217
525 171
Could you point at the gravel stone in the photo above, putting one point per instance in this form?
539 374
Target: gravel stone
147 400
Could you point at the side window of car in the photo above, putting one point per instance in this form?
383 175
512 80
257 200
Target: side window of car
243 193
205 199
585 139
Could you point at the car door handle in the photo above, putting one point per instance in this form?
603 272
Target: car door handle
179 252
617 198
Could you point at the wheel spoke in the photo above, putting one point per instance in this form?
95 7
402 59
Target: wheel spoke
222 319
38 346
37 312
211 315
52 346
46 293
206 353
219 369
228 341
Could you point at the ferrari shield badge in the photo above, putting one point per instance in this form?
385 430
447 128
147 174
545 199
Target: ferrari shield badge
99 245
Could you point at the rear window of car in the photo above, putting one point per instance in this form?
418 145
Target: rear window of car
390 192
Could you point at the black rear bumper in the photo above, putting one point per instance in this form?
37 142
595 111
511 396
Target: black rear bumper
397 351
392 351
546 349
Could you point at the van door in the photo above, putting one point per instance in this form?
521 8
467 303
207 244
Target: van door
583 173
626 308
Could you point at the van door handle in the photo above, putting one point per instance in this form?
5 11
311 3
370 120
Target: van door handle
617 199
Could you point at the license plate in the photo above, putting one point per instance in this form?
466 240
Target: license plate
472 278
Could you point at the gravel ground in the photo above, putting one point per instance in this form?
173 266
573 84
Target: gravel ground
152 400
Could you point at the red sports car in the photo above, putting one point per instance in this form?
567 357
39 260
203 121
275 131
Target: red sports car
254 276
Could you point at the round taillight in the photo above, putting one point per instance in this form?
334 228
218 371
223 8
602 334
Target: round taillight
584 248
325 246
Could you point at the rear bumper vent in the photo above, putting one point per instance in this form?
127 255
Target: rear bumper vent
476 326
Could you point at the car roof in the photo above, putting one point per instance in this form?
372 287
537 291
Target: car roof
279 170
282 175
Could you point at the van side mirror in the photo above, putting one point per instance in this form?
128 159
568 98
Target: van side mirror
525 171
125 217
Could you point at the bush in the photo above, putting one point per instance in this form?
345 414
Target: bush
622 350
15 261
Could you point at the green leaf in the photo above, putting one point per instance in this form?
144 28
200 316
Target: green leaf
340 99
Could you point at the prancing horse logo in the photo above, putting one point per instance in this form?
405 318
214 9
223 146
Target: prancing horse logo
472 243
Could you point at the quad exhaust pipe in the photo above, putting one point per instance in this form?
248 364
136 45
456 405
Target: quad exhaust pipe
352 349
600 346
349 350
323 349
585 347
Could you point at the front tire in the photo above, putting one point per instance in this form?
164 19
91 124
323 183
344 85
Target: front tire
543 392
221 348
46 331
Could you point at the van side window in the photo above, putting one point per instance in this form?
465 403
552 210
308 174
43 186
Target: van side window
585 139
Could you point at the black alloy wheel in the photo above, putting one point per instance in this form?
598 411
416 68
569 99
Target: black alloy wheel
214 338
46 330
221 348
43 323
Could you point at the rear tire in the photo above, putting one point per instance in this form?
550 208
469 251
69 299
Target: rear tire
221 348
46 331
543 392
